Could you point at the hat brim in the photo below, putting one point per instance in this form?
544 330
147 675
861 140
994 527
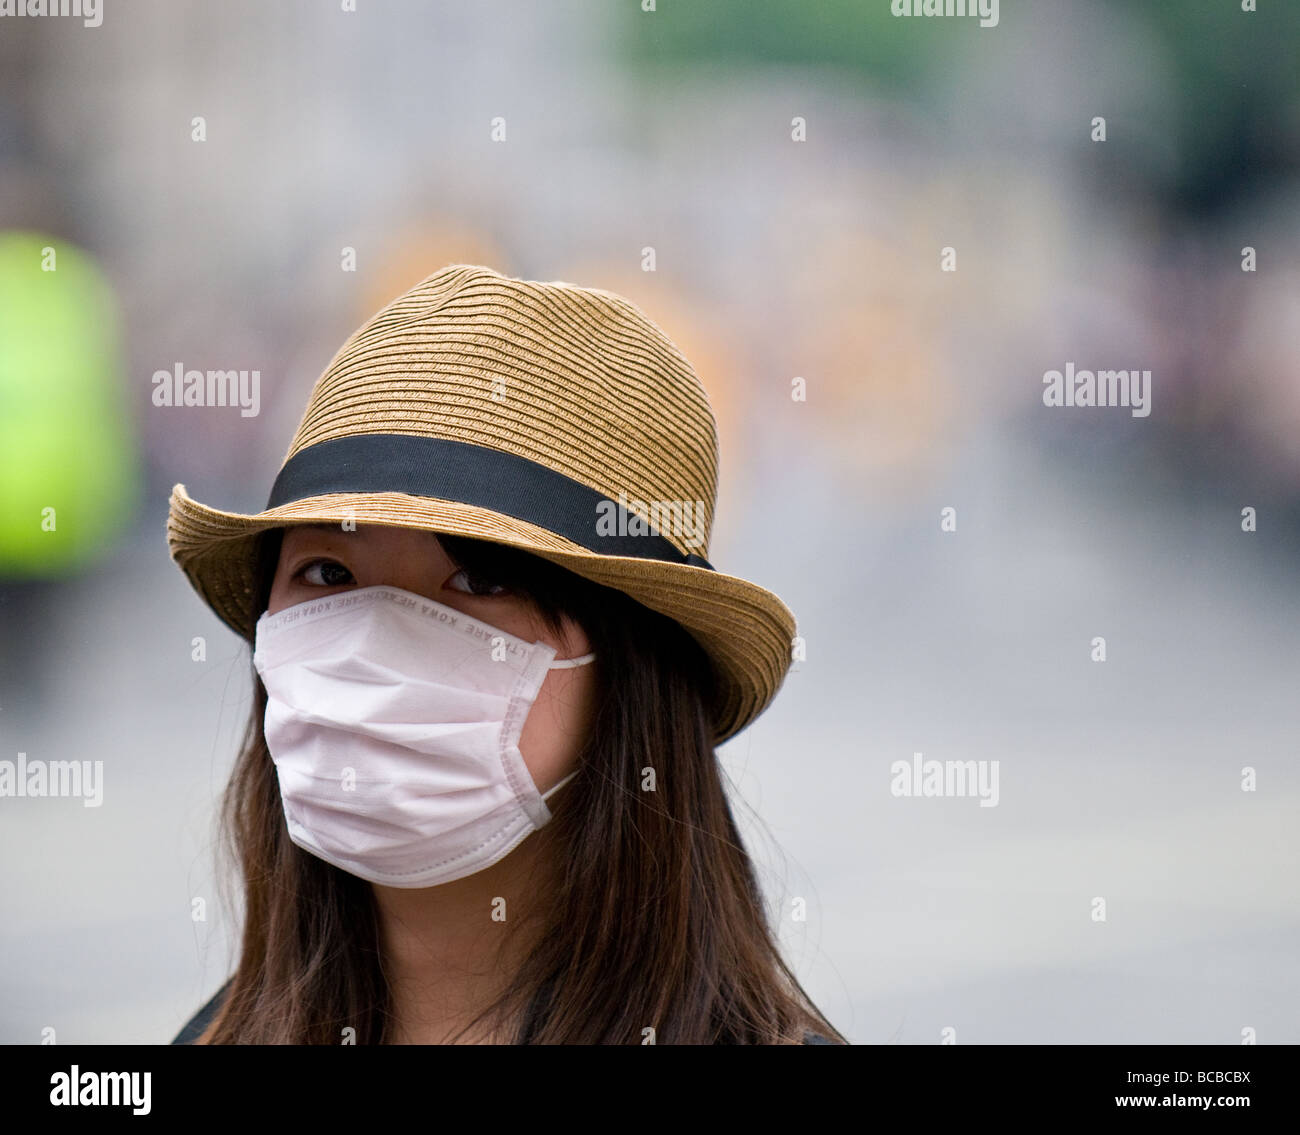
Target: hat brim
746 630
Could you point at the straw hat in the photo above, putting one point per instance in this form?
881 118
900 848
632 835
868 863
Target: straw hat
545 416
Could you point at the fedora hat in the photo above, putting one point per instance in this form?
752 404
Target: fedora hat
544 416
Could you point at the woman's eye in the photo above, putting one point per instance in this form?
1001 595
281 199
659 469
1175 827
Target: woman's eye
466 581
325 573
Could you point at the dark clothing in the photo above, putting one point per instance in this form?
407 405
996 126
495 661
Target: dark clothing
202 1019
196 1024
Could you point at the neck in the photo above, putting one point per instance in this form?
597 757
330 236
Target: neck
451 950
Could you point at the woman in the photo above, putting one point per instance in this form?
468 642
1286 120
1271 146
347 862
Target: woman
478 800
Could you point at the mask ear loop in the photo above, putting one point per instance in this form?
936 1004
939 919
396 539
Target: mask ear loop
568 663
551 791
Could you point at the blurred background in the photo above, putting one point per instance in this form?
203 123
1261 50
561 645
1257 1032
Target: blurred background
797 171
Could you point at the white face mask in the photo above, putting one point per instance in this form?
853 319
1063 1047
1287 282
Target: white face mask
394 724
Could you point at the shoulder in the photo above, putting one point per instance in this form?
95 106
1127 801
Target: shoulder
195 1026
816 1038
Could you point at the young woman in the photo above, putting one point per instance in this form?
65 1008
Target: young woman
478 799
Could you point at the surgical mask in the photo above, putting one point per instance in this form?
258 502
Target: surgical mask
394 725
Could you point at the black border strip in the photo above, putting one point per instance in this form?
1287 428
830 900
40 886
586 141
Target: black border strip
472 474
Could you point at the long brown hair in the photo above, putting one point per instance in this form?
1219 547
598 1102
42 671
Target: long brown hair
658 920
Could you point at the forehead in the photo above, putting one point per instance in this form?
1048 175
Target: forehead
314 534
301 531
377 535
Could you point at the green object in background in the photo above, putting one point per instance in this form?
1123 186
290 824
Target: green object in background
66 442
